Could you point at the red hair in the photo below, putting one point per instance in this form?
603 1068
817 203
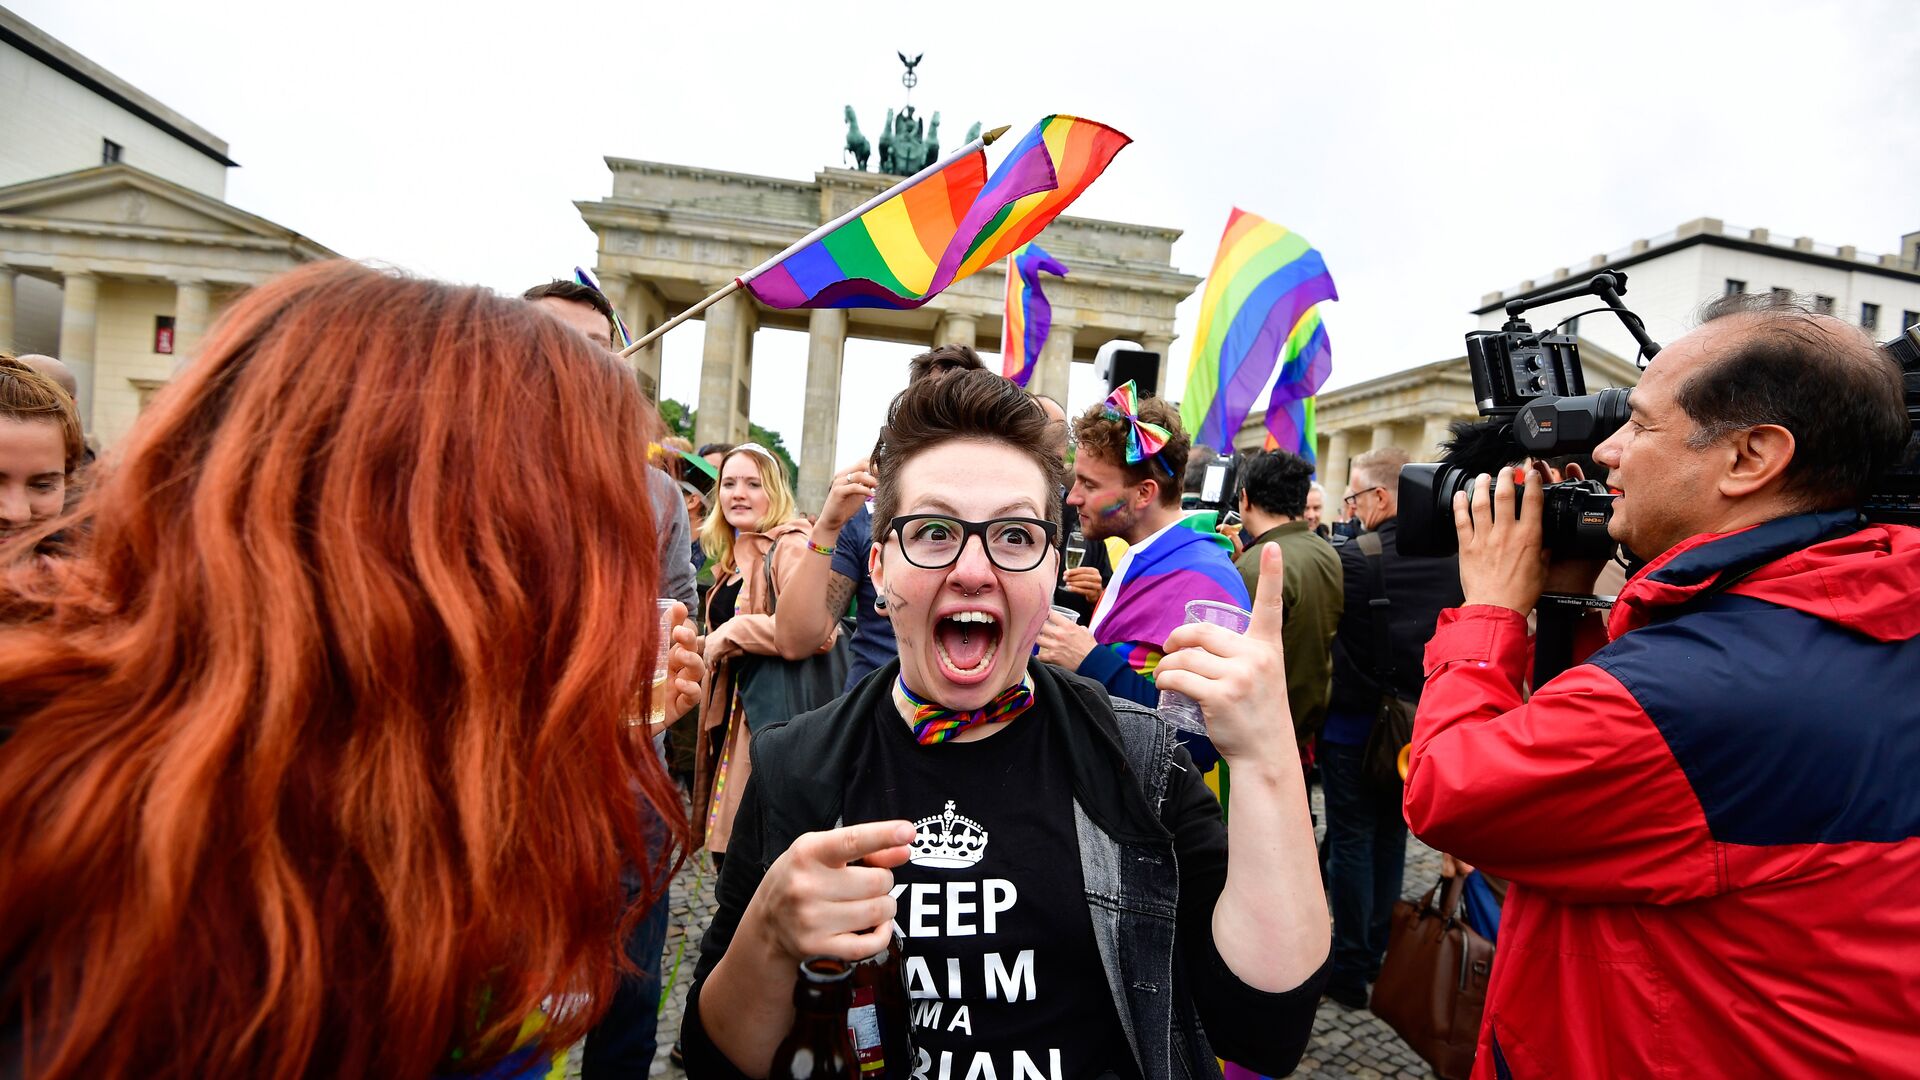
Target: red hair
314 762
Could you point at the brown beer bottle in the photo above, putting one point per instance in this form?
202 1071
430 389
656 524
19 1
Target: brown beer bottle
880 1021
816 1048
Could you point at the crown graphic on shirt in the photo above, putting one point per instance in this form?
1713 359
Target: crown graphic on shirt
947 840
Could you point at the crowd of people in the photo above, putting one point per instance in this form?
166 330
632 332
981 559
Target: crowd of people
334 735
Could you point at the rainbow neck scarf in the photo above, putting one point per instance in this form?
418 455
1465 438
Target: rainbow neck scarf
936 724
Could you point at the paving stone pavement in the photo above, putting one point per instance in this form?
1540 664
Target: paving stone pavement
1345 1043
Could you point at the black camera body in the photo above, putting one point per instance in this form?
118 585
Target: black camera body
1531 390
1220 489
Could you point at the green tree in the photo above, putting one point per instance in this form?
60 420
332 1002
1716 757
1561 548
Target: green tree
680 421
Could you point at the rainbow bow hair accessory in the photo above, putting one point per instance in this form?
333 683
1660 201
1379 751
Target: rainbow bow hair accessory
1144 440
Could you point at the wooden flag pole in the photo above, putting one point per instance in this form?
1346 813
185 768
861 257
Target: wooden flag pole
736 284
645 339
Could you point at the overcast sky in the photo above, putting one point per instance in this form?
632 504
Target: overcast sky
1432 152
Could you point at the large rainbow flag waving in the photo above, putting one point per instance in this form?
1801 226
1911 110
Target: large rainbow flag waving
1264 280
1029 316
947 223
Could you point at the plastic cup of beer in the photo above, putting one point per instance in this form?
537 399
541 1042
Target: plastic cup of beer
656 715
1178 709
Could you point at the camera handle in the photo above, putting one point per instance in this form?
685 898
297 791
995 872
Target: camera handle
1556 616
1607 285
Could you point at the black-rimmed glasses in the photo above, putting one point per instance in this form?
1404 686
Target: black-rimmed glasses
934 541
1354 499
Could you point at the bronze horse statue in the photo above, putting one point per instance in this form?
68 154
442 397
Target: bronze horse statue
857 146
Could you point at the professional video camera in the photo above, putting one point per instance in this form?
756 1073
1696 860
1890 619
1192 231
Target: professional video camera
1533 393
1894 497
1219 490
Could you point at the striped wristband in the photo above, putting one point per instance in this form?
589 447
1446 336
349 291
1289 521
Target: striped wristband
820 549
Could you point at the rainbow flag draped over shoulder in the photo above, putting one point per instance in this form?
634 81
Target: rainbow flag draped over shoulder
1264 279
945 226
1304 365
1029 316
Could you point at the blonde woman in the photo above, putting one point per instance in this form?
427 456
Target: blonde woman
757 539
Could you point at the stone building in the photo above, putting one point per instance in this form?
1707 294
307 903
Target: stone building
670 235
117 245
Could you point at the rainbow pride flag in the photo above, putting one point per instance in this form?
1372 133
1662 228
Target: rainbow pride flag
944 223
1264 279
1305 363
1029 316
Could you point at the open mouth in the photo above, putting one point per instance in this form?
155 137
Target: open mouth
967 642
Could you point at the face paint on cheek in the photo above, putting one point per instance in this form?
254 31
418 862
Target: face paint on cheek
1113 509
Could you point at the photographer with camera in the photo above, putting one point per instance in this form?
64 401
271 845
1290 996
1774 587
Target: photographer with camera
1715 857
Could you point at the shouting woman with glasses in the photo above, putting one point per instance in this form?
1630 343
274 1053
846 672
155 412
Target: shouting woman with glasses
1059 873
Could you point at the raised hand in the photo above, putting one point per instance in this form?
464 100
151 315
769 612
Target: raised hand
851 486
1240 680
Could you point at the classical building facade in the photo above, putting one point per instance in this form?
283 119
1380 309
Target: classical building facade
670 235
117 246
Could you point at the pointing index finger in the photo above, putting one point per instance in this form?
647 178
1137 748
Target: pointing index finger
851 843
1268 601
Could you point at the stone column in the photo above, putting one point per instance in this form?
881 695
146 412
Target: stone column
820 432
190 308
715 422
1431 436
1051 374
1333 471
7 276
1163 346
956 329
79 330
743 369
1382 436
641 305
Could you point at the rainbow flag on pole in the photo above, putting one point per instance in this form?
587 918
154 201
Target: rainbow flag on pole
942 224
1264 280
1029 316
1304 365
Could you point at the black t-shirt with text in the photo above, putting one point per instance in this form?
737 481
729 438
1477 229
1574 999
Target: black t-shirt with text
1002 968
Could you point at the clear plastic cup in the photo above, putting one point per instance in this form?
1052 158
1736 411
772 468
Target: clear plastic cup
1178 709
1067 613
656 714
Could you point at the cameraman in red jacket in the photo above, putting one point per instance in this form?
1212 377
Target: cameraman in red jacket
1712 825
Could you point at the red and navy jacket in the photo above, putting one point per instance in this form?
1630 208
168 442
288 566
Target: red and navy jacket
1712 825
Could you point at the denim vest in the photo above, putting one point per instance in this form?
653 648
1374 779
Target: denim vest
1133 896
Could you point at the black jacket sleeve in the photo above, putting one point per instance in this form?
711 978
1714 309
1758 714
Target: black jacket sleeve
1265 1032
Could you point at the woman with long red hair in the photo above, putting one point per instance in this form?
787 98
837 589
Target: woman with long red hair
315 761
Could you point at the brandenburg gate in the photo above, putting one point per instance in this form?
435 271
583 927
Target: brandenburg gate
672 234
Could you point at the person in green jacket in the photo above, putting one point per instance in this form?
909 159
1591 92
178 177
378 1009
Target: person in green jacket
1273 505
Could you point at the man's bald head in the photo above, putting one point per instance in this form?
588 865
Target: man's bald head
1774 361
1057 416
60 374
